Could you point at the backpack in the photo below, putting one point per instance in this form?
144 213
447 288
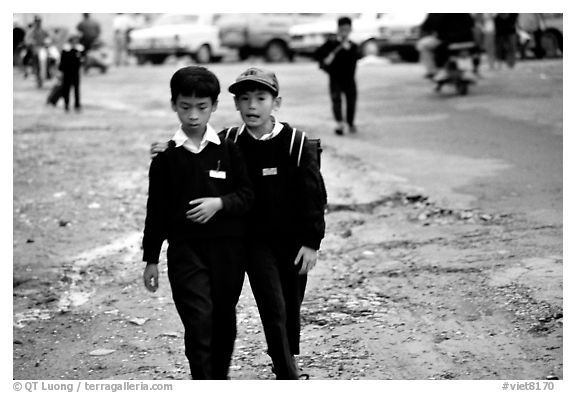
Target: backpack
295 152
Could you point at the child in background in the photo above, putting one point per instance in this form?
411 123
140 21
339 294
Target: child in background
199 191
71 61
339 57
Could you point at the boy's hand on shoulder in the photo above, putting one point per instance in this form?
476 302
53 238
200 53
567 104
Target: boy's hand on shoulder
308 256
151 277
157 147
204 210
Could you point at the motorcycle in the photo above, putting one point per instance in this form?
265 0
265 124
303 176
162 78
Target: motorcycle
44 62
456 70
99 57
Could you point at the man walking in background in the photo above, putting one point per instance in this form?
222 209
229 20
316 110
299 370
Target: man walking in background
89 30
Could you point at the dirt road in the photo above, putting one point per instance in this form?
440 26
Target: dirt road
443 257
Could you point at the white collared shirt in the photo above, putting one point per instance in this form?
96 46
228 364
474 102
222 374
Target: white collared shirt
210 135
275 131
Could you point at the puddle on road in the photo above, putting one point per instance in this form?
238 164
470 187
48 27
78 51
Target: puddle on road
77 294
80 291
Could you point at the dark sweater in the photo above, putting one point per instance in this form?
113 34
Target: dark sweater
71 59
505 24
178 176
289 204
343 67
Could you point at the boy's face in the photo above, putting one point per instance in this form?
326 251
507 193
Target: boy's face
344 31
194 112
256 106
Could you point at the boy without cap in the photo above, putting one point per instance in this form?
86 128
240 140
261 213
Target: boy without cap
339 57
199 191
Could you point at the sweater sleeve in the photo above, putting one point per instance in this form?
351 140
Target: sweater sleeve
239 201
155 226
323 51
313 199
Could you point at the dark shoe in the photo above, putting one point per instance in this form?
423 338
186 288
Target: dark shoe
352 129
301 375
339 131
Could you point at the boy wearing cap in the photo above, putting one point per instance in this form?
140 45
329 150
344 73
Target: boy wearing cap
286 223
198 193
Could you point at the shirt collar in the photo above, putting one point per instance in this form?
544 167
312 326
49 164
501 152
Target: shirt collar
278 126
181 139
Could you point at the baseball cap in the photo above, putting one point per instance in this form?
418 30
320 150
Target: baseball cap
258 76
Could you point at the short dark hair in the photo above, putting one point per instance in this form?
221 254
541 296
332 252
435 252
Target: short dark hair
344 20
194 81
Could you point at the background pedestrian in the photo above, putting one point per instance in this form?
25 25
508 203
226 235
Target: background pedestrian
71 60
339 57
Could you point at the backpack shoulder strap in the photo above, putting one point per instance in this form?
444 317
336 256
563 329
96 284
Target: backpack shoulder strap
297 145
232 134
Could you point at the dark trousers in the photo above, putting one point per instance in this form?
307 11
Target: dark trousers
278 290
506 48
206 280
69 81
343 87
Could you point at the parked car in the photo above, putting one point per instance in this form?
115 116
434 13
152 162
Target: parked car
399 32
263 34
376 33
178 35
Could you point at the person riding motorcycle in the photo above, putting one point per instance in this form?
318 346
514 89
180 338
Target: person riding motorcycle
37 39
448 29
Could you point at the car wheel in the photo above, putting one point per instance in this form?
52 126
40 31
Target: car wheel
276 52
410 55
140 60
157 59
370 48
243 53
550 44
204 55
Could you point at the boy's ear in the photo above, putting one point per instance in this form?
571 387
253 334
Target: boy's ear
214 106
236 103
277 103
173 105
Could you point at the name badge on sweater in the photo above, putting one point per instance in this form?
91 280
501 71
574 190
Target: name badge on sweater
269 171
217 174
